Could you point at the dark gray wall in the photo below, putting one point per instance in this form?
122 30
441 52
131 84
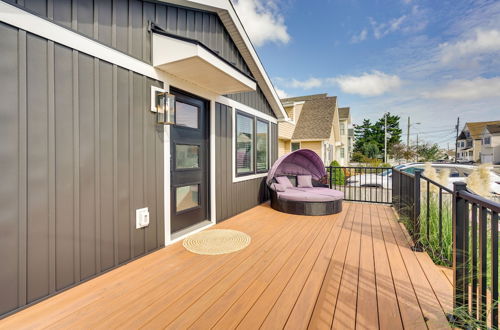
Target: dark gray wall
122 24
79 152
233 198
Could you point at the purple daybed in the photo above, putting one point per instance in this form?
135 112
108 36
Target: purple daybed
315 200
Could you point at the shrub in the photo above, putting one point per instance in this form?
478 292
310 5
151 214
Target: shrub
338 176
358 157
385 165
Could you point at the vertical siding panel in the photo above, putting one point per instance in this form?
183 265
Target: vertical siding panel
105 21
51 166
151 160
97 163
87 162
213 36
171 19
137 167
131 161
62 12
85 17
10 164
116 192
135 24
120 10
76 169
161 16
190 24
38 253
223 160
106 150
198 25
160 196
38 6
182 22
218 174
123 166
23 169
205 39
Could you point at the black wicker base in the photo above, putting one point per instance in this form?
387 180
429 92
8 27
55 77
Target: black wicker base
305 208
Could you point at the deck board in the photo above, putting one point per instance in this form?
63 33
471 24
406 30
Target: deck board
351 270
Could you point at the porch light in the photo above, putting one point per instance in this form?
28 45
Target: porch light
163 103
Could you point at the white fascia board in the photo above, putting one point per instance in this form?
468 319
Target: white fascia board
162 54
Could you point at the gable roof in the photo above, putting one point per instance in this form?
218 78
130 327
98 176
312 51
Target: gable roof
493 129
344 112
316 118
228 16
304 98
476 128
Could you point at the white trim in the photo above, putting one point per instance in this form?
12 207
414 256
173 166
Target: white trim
166 183
155 89
249 177
245 108
213 196
180 238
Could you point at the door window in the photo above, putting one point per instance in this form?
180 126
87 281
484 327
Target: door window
187 156
186 115
187 197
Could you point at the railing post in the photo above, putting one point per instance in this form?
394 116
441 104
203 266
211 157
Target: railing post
459 247
416 212
331 178
400 191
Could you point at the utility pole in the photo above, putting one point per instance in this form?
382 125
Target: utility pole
385 138
417 147
456 139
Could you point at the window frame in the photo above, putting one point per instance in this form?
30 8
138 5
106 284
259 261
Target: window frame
268 158
291 146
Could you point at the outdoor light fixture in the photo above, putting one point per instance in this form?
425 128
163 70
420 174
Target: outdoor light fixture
163 103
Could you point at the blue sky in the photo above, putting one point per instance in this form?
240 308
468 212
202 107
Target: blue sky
430 60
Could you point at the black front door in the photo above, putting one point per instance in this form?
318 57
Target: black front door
189 162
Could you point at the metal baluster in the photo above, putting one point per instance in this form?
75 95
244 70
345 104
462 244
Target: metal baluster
416 210
494 270
459 252
330 179
440 208
427 213
482 276
474 261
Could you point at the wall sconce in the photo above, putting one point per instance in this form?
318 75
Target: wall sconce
163 103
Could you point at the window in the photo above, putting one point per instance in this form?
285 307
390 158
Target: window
262 146
252 154
295 146
487 140
186 115
342 153
186 197
187 156
342 129
244 144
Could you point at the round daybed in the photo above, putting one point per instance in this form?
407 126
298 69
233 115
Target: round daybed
295 185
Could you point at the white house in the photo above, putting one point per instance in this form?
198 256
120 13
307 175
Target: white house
490 150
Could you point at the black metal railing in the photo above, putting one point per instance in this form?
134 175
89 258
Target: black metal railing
403 199
362 184
475 257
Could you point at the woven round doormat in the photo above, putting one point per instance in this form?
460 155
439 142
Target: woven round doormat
216 241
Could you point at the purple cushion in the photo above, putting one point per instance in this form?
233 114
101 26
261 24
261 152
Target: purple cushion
304 181
284 181
335 194
300 196
278 187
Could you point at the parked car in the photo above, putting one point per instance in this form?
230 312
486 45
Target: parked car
458 172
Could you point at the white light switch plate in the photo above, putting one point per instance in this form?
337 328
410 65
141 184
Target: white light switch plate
141 218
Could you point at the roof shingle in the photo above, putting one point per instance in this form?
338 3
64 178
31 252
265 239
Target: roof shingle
304 98
476 128
316 118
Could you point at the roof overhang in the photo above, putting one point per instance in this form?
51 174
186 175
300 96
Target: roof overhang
231 21
191 61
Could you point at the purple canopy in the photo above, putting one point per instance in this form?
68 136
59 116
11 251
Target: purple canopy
299 162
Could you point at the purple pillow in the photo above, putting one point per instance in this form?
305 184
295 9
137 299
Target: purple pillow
278 187
284 181
304 181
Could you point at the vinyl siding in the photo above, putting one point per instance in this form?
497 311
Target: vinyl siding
233 198
79 153
123 24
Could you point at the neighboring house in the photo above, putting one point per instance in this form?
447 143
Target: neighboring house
82 150
490 149
469 141
344 150
314 123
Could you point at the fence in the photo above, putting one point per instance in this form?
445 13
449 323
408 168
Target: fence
362 184
465 238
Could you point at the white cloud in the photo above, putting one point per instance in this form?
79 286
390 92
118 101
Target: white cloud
382 29
484 41
281 93
461 89
262 21
368 84
359 37
306 84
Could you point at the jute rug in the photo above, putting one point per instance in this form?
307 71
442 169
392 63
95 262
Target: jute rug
216 241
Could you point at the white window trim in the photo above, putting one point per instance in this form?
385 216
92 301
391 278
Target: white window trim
233 149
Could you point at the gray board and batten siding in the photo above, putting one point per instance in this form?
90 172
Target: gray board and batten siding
123 24
235 197
78 154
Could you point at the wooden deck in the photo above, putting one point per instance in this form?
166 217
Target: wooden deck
351 270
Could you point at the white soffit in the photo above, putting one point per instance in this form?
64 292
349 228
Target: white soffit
191 61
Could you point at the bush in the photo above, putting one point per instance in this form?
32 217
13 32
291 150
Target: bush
338 176
385 165
358 157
